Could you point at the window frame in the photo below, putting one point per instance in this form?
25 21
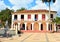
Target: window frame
36 17
22 16
29 16
51 15
43 16
15 17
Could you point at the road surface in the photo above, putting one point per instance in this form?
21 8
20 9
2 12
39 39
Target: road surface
34 37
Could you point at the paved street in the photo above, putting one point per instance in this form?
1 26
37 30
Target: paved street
34 37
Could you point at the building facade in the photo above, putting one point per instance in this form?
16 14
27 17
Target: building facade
34 20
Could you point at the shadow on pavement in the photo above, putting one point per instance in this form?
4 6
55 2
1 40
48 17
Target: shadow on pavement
11 33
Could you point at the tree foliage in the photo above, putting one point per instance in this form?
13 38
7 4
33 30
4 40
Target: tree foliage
49 1
57 20
21 9
5 15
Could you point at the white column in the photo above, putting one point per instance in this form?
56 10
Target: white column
18 26
47 17
14 26
12 21
39 26
32 17
39 17
47 26
55 26
32 26
25 26
16 30
19 17
12 17
25 17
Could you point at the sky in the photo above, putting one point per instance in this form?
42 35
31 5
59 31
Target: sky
29 4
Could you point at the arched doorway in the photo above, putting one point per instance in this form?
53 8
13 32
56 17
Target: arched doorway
50 27
41 26
36 26
15 24
22 26
29 26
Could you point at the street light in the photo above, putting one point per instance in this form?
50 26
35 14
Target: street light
49 2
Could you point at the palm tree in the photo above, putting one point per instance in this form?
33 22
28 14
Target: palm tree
49 2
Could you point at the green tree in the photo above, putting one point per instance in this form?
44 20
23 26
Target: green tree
57 20
6 15
21 9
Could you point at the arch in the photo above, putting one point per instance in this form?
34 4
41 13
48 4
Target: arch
41 26
36 26
15 24
29 26
50 27
22 26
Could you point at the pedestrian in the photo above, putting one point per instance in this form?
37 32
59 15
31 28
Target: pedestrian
19 32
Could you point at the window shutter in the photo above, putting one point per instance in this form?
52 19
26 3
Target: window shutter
43 16
29 16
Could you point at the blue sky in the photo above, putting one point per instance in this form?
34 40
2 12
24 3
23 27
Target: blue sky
28 4
7 2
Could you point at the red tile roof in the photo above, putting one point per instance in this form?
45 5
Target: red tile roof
33 11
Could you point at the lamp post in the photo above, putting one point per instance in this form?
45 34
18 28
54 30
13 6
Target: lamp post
49 4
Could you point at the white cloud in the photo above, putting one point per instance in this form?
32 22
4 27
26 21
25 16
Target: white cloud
17 4
56 5
3 6
20 3
40 5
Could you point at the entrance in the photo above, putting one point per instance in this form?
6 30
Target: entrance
22 26
50 27
41 26
29 26
36 26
